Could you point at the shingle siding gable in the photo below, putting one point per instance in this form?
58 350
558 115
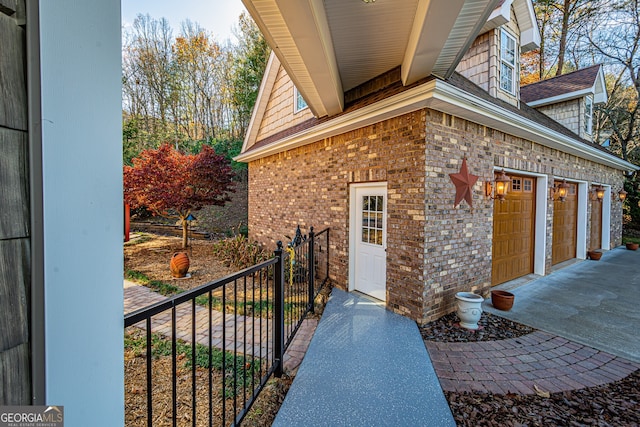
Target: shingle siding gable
279 114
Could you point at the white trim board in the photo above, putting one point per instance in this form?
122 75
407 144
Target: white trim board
442 96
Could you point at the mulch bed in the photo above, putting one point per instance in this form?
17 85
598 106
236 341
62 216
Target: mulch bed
615 404
491 328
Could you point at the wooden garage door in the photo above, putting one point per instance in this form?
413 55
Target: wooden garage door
595 242
565 226
513 231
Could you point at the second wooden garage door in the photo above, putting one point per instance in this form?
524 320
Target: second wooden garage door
565 226
513 231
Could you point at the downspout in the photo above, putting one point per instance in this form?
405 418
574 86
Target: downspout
36 327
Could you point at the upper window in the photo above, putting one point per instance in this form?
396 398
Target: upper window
507 62
588 115
300 103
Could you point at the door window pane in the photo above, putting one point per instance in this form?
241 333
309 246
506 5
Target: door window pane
372 219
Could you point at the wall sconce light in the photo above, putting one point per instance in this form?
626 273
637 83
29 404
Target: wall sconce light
599 192
622 195
500 184
560 190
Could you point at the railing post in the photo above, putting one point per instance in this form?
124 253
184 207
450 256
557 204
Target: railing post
278 312
328 246
312 270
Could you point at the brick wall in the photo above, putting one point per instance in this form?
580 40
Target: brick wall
458 240
434 250
309 186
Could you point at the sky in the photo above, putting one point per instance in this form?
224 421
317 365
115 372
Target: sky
217 16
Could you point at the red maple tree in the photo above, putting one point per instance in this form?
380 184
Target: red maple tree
172 184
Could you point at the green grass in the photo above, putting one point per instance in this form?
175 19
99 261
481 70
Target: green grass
246 367
249 307
142 237
630 240
162 288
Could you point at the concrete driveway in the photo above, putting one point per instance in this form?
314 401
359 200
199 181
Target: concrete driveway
596 303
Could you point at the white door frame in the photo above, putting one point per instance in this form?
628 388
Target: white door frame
353 226
540 233
605 237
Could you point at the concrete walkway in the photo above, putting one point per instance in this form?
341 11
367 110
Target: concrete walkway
241 332
595 303
365 366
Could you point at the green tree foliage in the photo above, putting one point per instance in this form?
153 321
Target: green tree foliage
250 61
188 90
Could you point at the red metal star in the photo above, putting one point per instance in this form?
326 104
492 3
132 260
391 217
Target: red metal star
464 182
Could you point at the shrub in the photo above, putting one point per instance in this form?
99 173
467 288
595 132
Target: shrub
239 252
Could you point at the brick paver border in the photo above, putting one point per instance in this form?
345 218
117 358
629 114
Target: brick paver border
240 331
516 365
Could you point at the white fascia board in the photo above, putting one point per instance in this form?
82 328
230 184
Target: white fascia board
402 103
309 30
298 33
600 88
443 97
500 15
530 38
561 98
429 33
486 113
260 107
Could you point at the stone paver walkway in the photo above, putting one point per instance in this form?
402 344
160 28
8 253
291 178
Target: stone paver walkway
516 365
247 335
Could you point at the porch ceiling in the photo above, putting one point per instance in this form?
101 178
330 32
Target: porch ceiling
330 46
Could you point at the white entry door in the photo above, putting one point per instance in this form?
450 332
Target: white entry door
369 234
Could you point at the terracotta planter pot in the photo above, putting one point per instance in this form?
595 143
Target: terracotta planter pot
632 246
594 255
502 300
179 264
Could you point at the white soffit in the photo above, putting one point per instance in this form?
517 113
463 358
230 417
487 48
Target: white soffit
600 88
369 38
299 34
529 31
431 26
526 17
330 46
500 15
470 20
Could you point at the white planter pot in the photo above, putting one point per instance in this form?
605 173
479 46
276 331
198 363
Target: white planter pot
469 309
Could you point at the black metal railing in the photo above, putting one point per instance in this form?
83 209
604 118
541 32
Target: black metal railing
207 353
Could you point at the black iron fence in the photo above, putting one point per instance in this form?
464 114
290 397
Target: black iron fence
208 353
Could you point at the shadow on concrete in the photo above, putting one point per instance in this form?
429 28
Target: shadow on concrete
595 303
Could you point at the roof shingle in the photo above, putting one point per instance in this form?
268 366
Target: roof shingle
564 84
